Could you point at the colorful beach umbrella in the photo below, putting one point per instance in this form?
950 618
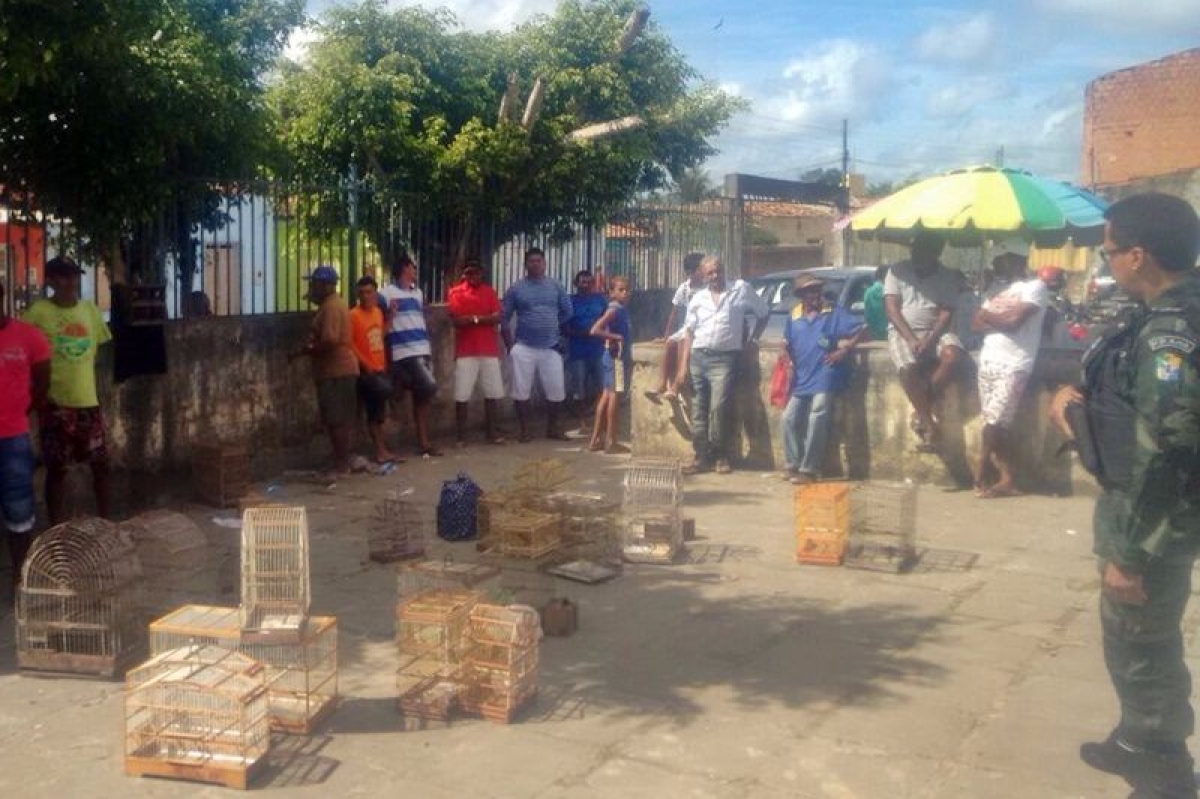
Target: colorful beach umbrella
980 203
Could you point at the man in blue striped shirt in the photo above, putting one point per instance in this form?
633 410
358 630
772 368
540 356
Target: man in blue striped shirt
542 307
408 345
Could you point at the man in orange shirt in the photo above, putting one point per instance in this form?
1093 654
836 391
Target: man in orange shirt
475 313
374 387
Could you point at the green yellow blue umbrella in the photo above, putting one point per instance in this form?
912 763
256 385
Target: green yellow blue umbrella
979 203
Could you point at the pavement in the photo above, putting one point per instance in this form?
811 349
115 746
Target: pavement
734 673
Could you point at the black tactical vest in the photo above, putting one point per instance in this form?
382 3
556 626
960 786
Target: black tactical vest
1111 416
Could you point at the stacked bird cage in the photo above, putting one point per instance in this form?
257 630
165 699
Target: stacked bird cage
526 534
79 605
174 555
423 576
431 634
275 574
883 527
396 533
501 670
220 473
590 526
302 678
197 713
822 522
651 504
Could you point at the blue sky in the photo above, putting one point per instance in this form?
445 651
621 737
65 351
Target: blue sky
926 86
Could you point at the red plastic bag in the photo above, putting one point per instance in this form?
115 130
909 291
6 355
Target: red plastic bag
781 381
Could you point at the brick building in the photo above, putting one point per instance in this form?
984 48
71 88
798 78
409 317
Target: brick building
1143 121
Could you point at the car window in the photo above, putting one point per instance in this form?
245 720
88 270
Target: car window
857 290
787 301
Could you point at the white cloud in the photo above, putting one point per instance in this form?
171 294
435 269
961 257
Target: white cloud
1168 16
842 78
485 15
966 94
972 40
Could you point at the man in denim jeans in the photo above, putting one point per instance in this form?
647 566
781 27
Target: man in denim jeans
716 334
24 384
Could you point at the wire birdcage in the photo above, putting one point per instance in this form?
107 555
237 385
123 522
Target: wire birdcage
79 605
173 551
431 634
651 537
197 713
302 677
396 533
652 485
883 527
822 522
501 670
220 473
423 576
275 572
526 534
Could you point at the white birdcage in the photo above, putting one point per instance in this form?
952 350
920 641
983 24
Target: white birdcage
883 527
79 605
275 573
501 668
302 677
397 531
197 713
652 485
173 551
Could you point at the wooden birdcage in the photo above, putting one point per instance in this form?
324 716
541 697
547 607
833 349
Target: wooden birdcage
526 534
589 526
501 669
275 573
822 522
423 576
431 634
173 551
302 678
541 477
652 485
396 533
883 527
197 713
79 606
220 473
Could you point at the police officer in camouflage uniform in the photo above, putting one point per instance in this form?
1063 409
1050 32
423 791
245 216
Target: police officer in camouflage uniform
1137 422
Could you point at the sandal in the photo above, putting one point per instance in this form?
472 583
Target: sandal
430 452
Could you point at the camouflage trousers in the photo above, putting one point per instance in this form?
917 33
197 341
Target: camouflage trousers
1143 650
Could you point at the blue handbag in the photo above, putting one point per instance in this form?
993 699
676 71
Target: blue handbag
457 508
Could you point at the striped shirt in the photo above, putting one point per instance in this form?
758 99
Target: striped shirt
408 337
542 308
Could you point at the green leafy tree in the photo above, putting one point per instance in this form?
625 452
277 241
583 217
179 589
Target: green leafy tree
436 117
694 186
115 107
826 177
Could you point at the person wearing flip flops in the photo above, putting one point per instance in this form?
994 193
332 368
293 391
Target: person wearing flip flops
475 313
1011 323
920 295
412 357
612 328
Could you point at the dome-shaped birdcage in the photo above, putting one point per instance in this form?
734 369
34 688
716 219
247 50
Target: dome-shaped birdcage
79 604
173 551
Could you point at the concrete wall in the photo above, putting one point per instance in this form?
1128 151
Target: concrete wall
1142 121
873 439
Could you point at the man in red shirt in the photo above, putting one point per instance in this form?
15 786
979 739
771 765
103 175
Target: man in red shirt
24 385
475 313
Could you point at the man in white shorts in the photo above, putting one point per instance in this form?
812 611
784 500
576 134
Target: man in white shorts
1011 323
542 306
475 313
920 295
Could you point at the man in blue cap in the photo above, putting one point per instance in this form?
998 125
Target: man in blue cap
334 366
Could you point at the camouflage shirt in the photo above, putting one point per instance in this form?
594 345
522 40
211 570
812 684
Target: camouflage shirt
1158 515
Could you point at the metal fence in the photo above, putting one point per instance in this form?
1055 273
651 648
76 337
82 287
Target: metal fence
231 248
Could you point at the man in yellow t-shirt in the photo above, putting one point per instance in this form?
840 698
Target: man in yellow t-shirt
71 424
374 386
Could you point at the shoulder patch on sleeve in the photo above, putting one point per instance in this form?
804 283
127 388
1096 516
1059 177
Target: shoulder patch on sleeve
1172 341
1168 366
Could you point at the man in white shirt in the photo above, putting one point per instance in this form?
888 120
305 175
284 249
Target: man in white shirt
716 331
920 296
1011 323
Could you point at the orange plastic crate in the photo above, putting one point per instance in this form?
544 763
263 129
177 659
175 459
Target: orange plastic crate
822 522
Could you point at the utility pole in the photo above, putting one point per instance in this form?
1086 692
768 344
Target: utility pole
847 234
352 187
1000 156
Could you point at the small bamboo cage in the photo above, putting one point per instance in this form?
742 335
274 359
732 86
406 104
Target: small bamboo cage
650 537
526 534
275 573
173 551
590 526
883 527
79 605
431 634
302 677
541 477
396 532
220 473
197 713
822 522
423 576
501 669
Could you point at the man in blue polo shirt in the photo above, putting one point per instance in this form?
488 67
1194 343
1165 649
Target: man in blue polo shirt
585 352
818 340
542 308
